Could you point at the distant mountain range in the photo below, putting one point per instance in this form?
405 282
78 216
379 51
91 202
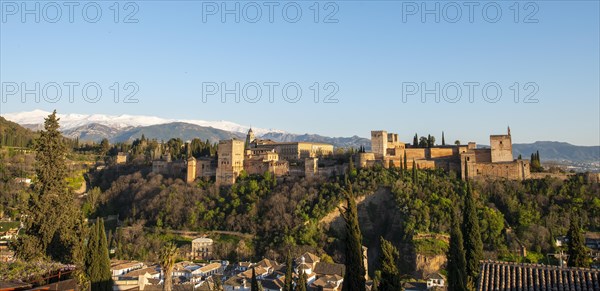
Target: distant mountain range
354 141
34 119
558 151
125 128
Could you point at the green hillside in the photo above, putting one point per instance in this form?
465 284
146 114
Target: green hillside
14 135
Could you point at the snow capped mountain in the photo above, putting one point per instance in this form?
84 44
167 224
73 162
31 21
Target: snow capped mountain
73 120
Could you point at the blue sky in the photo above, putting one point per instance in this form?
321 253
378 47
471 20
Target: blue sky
369 56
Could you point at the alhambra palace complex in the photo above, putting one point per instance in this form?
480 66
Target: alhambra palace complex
256 156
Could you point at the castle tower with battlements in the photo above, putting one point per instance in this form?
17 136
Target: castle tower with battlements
230 162
501 147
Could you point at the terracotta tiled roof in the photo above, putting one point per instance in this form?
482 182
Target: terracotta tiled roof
513 276
210 267
140 272
273 284
266 263
323 268
309 258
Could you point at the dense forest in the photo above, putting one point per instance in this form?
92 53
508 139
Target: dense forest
286 212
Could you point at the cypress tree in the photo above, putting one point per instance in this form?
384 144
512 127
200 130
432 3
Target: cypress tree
414 172
302 282
104 259
473 245
443 139
577 252
405 162
354 277
390 275
288 285
376 280
54 224
254 284
456 265
97 261
532 158
416 140
351 168
92 268
401 167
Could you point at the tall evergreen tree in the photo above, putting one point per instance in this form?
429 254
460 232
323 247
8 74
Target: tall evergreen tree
92 268
354 277
288 283
577 252
443 139
302 281
351 168
405 161
376 280
167 257
97 261
456 265
472 236
54 224
401 168
390 275
254 284
414 172
416 140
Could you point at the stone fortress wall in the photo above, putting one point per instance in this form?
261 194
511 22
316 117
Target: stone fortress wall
256 156
494 162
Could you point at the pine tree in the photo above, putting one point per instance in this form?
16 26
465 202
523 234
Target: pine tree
577 252
54 224
354 278
456 265
167 257
302 281
472 236
288 284
390 275
443 139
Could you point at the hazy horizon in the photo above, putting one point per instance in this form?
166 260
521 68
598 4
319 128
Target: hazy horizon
404 136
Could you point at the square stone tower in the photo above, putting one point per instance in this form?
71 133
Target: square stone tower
190 174
501 148
379 142
230 162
